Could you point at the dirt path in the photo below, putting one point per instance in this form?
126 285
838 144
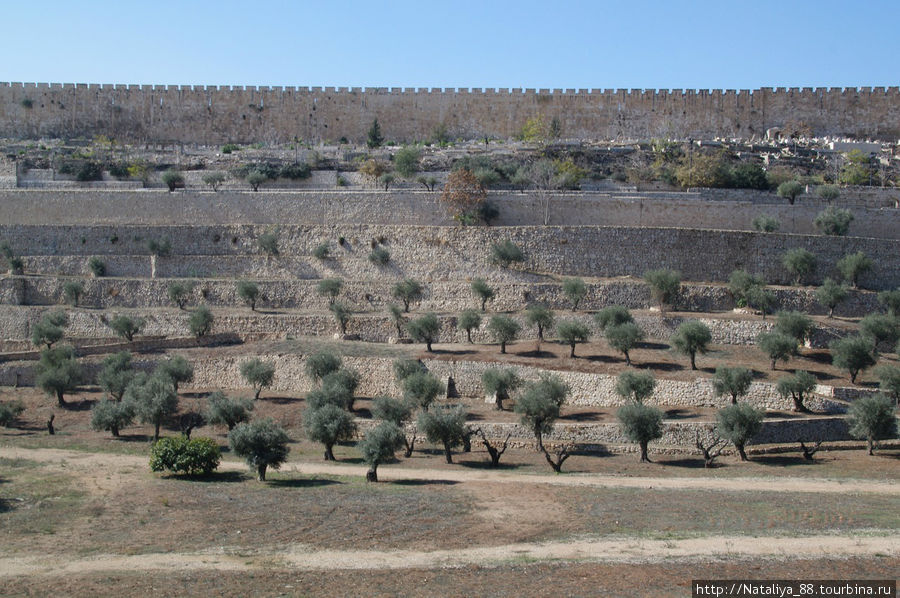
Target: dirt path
605 550
104 462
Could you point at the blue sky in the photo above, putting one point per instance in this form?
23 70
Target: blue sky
635 44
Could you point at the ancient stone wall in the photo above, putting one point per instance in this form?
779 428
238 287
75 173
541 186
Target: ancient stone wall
212 115
676 210
448 253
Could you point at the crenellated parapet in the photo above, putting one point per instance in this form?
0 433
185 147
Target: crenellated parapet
217 114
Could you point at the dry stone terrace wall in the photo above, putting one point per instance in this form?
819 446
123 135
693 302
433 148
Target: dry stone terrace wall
16 324
209 114
675 210
445 253
369 296
377 379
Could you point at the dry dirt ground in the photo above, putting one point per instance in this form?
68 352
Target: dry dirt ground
81 515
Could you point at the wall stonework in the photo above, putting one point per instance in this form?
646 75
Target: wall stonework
210 114
709 209
435 253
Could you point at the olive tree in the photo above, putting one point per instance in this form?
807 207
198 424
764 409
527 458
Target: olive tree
798 387
891 301
624 338
331 288
153 398
872 418
328 424
881 329
482 291
342 315
853 266
424 330
504 329
500 383
732 381
889 381
200 321
852 353
248 292
379 446
794 324
789 190
739 424
262 443
664 286
408 291
833 221
421 389
72 291
692 338
318 365
111 416
572 332
116 373
177 369
612 316
506 253
224 410
800 263
831 294
396 314
539 405
641 424
258 374
469 320
57 372
49 329
9 411
445 426
539 316
268 243
635 386
575 290
397 412
126 327
777 346
179 293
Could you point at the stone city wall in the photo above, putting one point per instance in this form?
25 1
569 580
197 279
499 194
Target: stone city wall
673 210
212 115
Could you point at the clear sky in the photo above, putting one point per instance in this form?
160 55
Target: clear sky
722 44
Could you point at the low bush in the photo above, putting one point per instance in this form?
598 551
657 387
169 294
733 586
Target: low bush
195 456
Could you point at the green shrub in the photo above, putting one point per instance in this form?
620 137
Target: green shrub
230 147
97 267
268 243
833 221
380 256
799 262
173 179
73 290
828 192
406 161
195 456
200 321
9 411
853 266
321 251
665 286
766 224
506 253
